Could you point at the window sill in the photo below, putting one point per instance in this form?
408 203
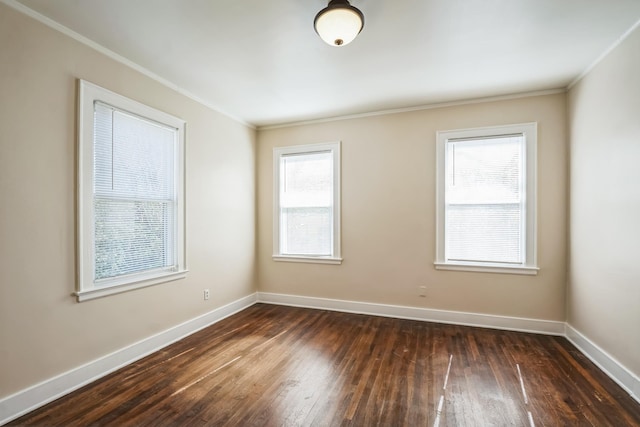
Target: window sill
487 268
99 292
307 259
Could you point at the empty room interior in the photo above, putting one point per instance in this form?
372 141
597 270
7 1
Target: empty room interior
231 213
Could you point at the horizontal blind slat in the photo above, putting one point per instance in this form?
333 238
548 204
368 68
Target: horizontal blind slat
306 204
484 203
134 194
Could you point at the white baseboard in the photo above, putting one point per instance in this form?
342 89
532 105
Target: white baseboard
416 313
609 365
20 403
24 401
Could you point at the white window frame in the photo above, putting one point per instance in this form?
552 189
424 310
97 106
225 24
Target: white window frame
87 288
278 152
529 266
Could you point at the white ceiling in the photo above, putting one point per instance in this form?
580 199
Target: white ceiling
261 61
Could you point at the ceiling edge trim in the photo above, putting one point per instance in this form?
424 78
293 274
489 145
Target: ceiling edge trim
417 108
121 59
604 54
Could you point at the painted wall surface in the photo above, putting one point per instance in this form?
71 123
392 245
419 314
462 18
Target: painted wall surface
43 330
604 276
388 213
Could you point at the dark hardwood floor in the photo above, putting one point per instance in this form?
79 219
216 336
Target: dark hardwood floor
282 366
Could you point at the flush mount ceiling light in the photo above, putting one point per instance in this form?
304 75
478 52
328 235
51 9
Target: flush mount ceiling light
339 23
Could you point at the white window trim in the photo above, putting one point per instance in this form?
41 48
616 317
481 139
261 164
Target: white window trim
334 147
529 267
86 288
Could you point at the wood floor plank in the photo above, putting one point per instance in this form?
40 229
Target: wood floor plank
284 366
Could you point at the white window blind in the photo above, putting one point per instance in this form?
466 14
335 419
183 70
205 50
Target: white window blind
131 230
134 194
306 204
485 212
486 199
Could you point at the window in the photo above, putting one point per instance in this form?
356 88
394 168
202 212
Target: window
130 194
486 195
306 225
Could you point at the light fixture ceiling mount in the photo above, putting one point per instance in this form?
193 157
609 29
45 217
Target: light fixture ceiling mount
339 23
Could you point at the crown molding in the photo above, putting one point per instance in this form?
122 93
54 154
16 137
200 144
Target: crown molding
416 108
14 4
603 55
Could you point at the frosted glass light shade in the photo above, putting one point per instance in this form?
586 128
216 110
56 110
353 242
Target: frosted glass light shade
339 23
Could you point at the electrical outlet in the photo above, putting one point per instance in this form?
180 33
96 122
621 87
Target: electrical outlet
422 291
206 294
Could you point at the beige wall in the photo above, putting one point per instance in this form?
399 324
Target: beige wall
604 276
388 213
43 331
